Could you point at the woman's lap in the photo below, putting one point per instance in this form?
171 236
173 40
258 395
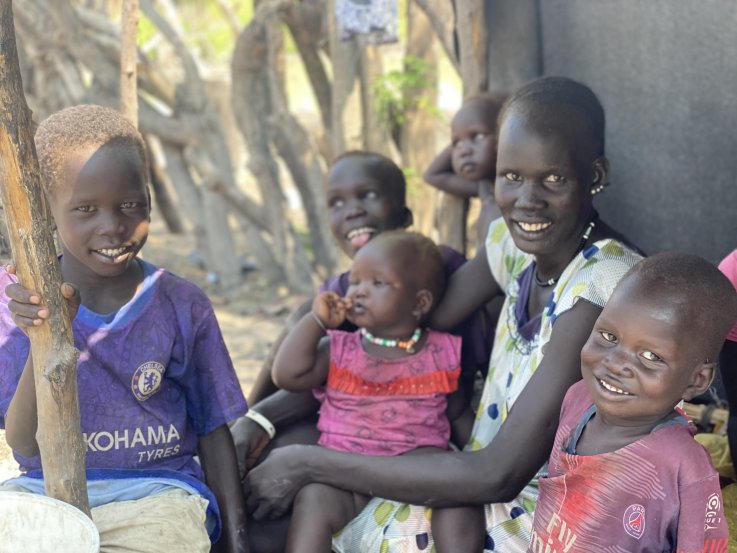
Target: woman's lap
389 527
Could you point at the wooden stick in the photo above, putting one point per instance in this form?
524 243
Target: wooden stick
128 60
59 434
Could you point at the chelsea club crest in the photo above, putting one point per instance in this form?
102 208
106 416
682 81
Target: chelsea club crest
147 380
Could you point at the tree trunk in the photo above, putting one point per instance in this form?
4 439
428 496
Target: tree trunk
307 24
59 434
345 56
472 44
376 136
418 134
128 60
256 92
192 103
162 193
440 16
300 155
189 196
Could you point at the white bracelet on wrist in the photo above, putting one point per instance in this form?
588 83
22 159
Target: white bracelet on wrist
262 421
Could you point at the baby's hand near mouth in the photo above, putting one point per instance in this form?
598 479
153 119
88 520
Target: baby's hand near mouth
331 309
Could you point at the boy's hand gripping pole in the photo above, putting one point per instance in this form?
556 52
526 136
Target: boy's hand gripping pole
59 434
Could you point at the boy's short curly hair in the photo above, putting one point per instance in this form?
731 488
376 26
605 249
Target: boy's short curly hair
84 126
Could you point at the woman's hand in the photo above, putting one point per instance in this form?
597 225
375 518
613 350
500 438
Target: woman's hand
250 441
26 307
331 309
274 483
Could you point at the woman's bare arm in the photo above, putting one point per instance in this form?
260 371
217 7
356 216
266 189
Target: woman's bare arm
282 409
494 474
468 289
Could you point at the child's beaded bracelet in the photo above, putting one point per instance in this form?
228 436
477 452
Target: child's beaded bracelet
262 421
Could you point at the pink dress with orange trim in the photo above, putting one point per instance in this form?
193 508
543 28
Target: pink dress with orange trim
388 406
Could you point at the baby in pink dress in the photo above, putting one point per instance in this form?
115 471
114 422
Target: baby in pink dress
390 388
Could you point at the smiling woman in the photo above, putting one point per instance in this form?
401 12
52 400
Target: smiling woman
550 164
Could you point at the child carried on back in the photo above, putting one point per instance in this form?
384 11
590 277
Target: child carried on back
625 473
467 166
387 384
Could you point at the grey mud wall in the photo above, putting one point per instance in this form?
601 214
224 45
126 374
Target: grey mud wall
666 72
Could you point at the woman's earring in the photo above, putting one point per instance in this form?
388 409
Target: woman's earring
597 189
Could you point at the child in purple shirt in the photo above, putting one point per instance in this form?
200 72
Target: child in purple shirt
156 384
625 473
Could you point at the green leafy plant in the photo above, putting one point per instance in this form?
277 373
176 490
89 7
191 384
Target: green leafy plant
399 92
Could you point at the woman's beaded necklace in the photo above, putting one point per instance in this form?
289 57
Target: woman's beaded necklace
406 345
584 237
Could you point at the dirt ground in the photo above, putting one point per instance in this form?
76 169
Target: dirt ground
250 315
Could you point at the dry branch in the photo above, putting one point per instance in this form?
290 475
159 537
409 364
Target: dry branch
128 60
441 18
59 435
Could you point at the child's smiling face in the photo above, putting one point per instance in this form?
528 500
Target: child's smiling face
642 358
360 205
101 210
474 144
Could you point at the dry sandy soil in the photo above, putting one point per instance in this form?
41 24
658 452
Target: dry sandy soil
250 316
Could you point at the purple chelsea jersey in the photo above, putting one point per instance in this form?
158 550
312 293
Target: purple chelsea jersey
152 377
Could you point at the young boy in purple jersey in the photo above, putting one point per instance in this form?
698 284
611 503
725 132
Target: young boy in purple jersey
625 473
156 384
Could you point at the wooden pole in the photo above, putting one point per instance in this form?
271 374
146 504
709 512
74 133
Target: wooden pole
472 50
59 434
472 45
128 60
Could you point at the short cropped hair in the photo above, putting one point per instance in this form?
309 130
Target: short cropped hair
707 297
79 127
383 170
490 103
548 97
421 257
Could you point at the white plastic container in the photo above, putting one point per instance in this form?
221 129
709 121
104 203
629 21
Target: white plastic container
31 523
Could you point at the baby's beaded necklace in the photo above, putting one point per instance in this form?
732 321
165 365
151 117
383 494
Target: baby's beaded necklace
406 345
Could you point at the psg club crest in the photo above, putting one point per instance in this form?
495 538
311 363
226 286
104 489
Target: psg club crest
147 380
634 521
